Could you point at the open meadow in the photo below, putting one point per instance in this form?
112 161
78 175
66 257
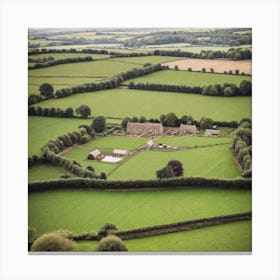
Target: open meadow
86 210
151 104
43 129
173 77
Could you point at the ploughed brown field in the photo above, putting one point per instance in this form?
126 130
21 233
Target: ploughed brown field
219 65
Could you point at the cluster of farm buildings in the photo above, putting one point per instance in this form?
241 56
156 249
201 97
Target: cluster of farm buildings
148 129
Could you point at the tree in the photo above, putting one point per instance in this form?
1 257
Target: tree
106 228
84 111
206 123
228 91
171 119
134 119
111 244
165 172
177 167
245 87
53 242
99 124
69 112
142 119
46 90
125 121
237 56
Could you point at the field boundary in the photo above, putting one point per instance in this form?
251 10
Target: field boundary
183 226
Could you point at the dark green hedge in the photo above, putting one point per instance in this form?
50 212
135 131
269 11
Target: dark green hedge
180 226
85 183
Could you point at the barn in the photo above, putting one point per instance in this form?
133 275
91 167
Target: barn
144 128
188 129
212 132
120 152
96 154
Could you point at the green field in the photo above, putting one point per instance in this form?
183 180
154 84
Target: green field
85 210
146 59
173 77
192 140
106 145
211 162
233 237
44 172
43 129
65 75
124 102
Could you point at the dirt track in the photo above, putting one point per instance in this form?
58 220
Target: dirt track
219 65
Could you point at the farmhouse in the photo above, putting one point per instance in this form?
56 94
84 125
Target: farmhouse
189 129
144 128
120 152
96 154
212 132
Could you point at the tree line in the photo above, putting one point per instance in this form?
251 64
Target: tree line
172 120
242 146
231 54
227 89
60 61
53 147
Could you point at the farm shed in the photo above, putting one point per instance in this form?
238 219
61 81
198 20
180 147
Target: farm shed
149 144
212 132
96 154
148 128
189 129
120 152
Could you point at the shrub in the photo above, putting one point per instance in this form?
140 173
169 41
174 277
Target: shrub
206 123
103 176
213 91
46 90
53 242
32 234
125 122
228 91
171 119
203 70
84 111
111 244
142 119
165 172
90 168
245 88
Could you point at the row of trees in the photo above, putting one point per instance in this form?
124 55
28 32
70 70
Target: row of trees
71 50
242 146
61 61
172 120
232 54
227 89
51 112
53 147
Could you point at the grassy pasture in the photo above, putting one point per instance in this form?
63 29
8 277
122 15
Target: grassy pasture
124 102
192 140
44 172
145 59
85 210
233 237
75 73
42 129
173 77
211 162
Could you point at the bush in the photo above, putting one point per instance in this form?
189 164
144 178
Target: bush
32 234
213 91
206 123
228 91
111 244
165 172
125 121
46 90
53 242
84 111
